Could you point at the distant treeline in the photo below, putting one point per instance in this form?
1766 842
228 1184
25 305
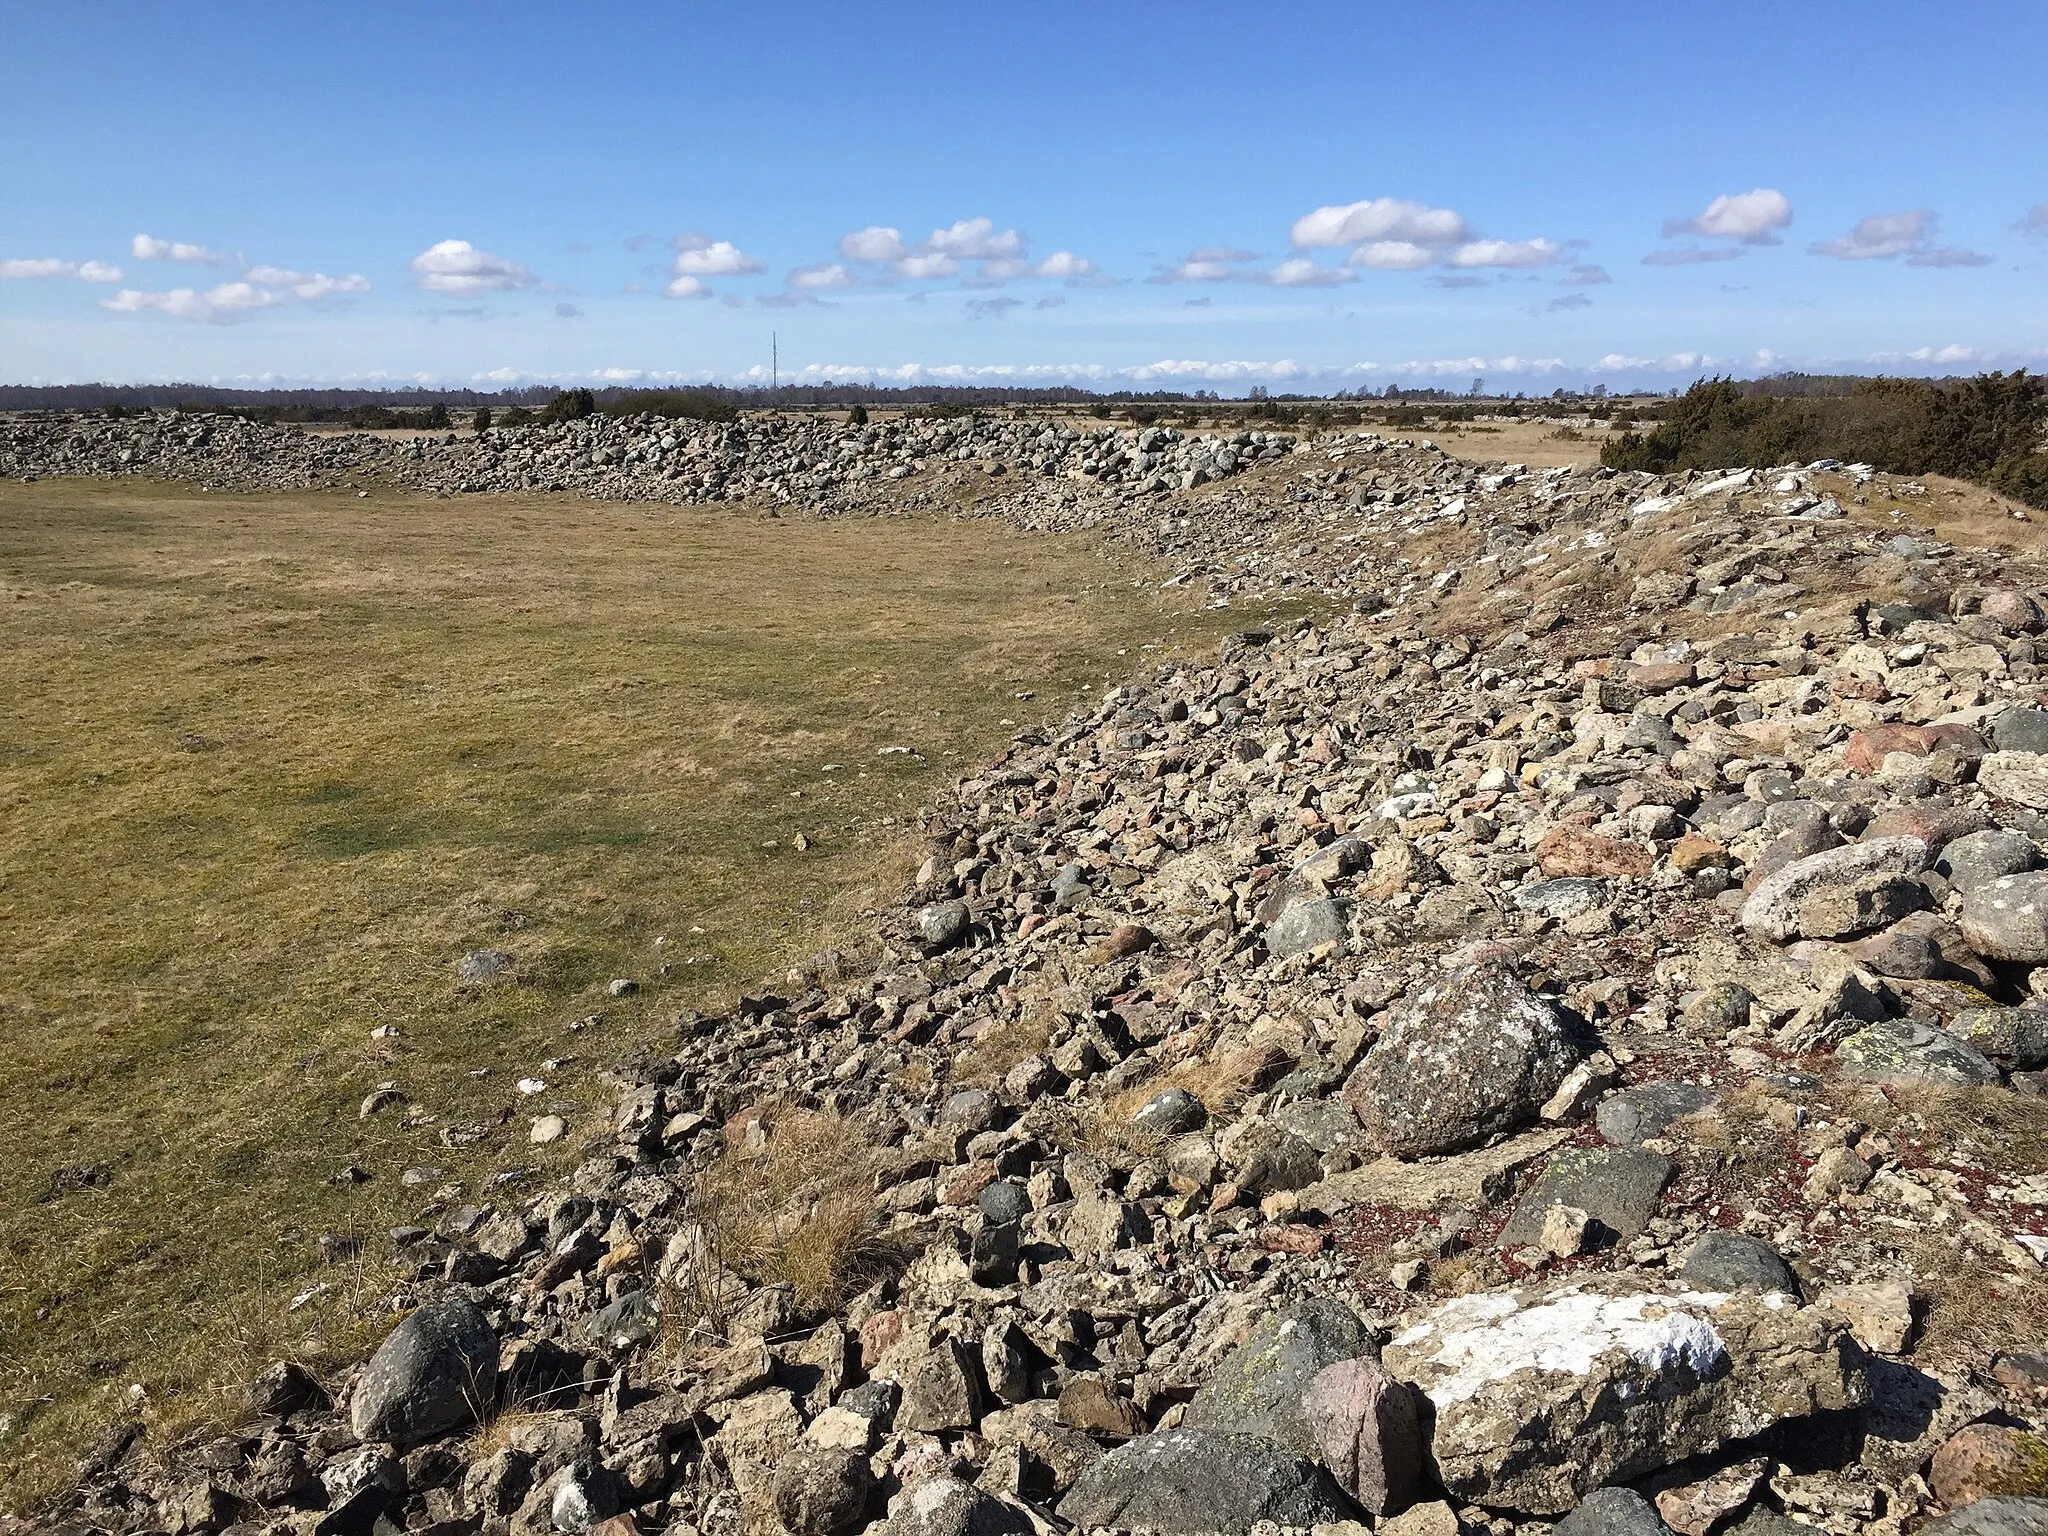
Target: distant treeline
1987 429
336 404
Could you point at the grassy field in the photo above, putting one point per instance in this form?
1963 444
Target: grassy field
269 765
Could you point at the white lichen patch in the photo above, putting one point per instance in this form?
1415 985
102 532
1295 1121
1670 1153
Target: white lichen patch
1485 1339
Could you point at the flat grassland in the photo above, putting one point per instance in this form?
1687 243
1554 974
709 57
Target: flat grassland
270 765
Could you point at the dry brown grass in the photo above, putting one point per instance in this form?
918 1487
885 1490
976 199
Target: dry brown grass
270 763
800 1211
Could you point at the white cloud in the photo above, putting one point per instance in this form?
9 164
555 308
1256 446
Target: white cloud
457 267
1952 353
922 268
1691 255
1203 266
825 275
687 287
37 266
1391 256
228 301
1221 253
307 286
2034 221
1946 256
150 248
1585 275
701 256
1051 301
1379 218
1752 217
877 242
974 240
1067 267
51 266
1910 234
1507 253
1879 236
1000 269
1300 272
990 309
259 288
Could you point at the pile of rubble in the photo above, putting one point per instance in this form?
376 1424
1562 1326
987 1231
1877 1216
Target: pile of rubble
1552 1042
808 460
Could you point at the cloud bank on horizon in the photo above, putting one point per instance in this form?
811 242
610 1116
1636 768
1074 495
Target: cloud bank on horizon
1290 237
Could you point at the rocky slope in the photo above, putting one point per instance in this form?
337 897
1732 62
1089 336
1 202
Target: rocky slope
1552 1039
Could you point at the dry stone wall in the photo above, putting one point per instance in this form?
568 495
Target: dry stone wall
1519 1048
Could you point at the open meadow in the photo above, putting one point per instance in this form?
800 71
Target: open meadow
270 765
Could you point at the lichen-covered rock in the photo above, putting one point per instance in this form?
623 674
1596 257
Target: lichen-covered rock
2007 918
1899 1050
1543 1395
1772 909
1469 1055
1258 1388
1190 1482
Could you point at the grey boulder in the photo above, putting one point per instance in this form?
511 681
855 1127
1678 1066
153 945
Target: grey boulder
1772 909
2000 1515
1613 1512
1470 1055
1635 1115
2016 1038
1731 1261
945 1506
1901 1051
1304 925
943 924
1619 1187
2007 918
1258 1388
435 1370
1191 1482
1981 857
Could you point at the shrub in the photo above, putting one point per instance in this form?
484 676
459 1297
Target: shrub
517 416
437 417
857 417
569 405
685 404
482 419
1986 429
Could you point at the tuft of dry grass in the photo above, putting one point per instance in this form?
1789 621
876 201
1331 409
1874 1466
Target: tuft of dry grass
269 764
800 1211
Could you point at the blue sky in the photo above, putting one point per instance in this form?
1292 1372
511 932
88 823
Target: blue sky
1315 196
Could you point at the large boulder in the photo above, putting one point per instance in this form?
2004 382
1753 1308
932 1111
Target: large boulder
1545 1394
2002 1515
1258 1388
2006 918
437 1369
1772 909
2021 777
1191 1482
1470 1055
945 1506
1902 1051
1732 1261
1613 1512
1305 925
